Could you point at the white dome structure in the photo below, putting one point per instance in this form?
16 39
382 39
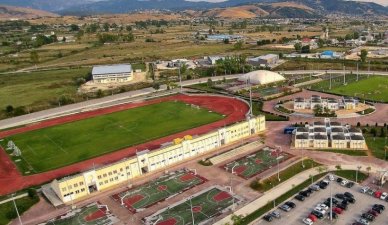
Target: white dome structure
261 77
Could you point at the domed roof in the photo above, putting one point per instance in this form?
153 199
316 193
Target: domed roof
261 77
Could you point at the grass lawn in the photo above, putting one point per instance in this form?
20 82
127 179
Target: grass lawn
373 88
287 173
38 89
376 145
157 190
205 206
57 146
351 175
345 152
7 210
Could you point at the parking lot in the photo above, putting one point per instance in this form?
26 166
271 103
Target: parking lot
364 202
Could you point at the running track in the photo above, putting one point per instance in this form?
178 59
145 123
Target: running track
11 180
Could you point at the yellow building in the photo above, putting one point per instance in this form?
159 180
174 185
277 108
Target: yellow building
83 184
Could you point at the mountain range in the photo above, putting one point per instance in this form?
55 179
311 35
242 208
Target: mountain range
269 8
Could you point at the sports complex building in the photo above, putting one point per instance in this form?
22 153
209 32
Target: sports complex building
112 73
145 161
329 135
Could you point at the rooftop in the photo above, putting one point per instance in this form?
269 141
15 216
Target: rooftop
109 69
337 129
320 129
356 137
302 129
338 137
320 137
302 136
319 123
355 130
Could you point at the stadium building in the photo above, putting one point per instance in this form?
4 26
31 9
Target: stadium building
329 135
81 185
112 73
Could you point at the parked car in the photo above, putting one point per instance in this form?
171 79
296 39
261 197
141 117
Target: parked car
308 221
323 206
378 194
339 179
268 218
312 217
330 177
363 221
351 200
350 184
384 195
377 209
304 193
368 217
370 192
364 189
379 206
344 182
373 212
319 215
285 208
290 204
342 206
349 195
315 187
338 210
300 198
275 214
340 196
322 185
335 201
319 209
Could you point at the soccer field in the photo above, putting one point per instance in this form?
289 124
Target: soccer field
53 147
202 207
374 88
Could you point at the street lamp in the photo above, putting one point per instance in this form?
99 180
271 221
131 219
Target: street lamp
358 169
16 208
231 184
277 160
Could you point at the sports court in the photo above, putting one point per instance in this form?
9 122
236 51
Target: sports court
158 190
253 164
94 213
199 208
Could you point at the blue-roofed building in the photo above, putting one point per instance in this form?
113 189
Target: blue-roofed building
330 55
112 73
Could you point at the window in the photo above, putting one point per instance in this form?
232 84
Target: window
106 181
77 191
101 183
69 187
82 189
64 189
114 171
81 183
127 167
116 178
121 169
111 179
75 185
104 175
128 173
99 177
110 173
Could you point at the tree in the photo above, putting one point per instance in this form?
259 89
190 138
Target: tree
99 93
105 26
338 167
237 219
9 109
226 41
306 49
358 124
363 55
373 131
238 45
368 169
298 47
34 57
74 27
382 132
209 82
156 86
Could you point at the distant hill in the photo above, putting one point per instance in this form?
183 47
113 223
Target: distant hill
240 8
12 12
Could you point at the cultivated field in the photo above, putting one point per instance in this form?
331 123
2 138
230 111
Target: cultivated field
158 190
93 214
65 144
373 88
253 164
194 210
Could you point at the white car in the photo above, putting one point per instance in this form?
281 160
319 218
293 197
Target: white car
323 206
383 195
344 182
331 177
365 189
319 209
308 221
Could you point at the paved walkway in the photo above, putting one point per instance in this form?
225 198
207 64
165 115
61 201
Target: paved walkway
281 189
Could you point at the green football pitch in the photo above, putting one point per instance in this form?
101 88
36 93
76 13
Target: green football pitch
93 214
158 190
200 208
53 147
373 88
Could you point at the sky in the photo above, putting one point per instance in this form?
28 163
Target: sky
381 2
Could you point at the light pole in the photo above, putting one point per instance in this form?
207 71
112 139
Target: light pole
192 214
231 192
331 203
16 208
302 156
277 160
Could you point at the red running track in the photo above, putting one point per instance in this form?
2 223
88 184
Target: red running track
11 180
